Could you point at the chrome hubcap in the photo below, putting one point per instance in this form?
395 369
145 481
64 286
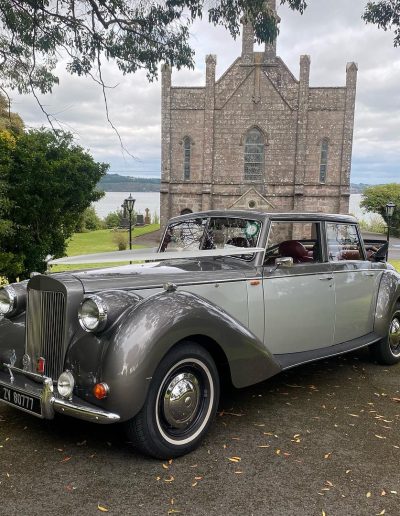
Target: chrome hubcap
181 400
394 336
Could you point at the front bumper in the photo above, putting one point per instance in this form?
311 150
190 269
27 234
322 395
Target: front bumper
39 386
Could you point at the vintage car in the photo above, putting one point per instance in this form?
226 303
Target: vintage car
232 296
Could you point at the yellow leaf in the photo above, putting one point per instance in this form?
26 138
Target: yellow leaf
234 459
165 466
323 513
278 452
348 471
380 436
368 495
194 484
327 455
169 479
101 508
382 512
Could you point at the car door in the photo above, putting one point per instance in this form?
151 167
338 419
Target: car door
356 282
299 301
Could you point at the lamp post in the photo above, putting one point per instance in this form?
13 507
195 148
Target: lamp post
129 204
390 207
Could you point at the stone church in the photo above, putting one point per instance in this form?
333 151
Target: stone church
257 138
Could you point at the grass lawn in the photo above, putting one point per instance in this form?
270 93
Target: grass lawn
396 264
99 241
102 240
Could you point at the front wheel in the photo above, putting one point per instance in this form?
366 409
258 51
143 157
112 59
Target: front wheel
387 350
180 406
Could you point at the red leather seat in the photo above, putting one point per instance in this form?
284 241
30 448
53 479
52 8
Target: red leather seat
296 250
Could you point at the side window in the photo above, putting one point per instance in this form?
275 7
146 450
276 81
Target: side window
298 240
187 154
343 242
323 167
254 155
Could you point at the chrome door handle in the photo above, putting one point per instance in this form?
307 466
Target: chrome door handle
326 279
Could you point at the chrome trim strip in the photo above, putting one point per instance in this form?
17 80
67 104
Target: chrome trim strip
70 408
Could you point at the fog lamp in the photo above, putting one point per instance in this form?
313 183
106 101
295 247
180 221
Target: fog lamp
65 384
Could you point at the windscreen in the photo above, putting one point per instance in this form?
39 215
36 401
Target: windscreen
211 233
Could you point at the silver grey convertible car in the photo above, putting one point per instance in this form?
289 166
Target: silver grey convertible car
238 295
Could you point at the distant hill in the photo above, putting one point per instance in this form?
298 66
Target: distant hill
118 183
358 188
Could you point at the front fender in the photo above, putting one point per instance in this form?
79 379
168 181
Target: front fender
388 296
147 332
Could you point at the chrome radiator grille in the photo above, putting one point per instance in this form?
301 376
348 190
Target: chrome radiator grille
45 330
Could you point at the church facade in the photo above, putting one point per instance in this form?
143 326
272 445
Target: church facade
257 138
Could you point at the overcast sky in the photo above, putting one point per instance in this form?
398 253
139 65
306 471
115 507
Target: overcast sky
330 31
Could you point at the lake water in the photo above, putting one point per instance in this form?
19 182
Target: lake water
112 201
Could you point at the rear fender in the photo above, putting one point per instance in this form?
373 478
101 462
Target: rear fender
388 296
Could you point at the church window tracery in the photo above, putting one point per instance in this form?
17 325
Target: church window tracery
254 155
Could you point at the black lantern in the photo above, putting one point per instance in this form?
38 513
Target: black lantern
389 208
129 204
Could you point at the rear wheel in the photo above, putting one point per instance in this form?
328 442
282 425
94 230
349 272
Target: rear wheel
180 406
387 350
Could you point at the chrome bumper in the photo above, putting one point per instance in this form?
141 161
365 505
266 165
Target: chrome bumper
42 387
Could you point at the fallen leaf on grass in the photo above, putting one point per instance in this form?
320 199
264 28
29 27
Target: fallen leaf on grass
101 508
198 478
194 484
66 459
165 466
169 479
380 436
327 455
381 513
173 511
368 495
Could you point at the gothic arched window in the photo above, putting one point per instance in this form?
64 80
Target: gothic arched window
254 155
323 166
187 150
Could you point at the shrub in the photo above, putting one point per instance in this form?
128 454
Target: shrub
113 219
89 221
120 238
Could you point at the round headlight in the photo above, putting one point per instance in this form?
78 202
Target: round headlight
93 314
65 384
8 300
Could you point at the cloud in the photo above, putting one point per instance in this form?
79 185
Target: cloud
331 31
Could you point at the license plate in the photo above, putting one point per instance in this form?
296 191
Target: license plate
19 399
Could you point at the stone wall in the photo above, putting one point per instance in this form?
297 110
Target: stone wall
258 90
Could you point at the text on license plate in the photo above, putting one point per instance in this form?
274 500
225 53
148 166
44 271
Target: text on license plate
21 400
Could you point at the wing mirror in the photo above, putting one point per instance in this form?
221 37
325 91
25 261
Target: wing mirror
284 263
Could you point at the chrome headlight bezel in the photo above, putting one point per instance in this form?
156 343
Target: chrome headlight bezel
12 301
92 314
